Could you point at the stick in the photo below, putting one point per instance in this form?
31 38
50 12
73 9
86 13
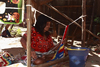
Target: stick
53 62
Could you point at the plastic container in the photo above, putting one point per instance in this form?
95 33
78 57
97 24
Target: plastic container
77 56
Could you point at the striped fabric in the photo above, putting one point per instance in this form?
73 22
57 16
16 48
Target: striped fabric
60 52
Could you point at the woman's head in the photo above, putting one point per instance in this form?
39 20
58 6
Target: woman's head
42 24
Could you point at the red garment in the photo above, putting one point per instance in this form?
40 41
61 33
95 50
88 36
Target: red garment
38 43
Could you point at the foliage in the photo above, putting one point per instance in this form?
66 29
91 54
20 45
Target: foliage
16 33
19 31
98 33
97 19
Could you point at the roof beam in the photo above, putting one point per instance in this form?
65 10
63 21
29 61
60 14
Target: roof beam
44 2
67 6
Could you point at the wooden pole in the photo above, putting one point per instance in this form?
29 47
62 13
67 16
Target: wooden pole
63 15
83 22
28 34
53 62
93 9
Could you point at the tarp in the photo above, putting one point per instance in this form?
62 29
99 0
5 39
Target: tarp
11 11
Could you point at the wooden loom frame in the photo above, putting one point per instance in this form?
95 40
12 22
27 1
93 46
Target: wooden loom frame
29 30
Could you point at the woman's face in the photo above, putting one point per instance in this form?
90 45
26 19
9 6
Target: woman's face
47 26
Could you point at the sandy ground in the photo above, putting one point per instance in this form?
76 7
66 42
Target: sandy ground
13 45
9 42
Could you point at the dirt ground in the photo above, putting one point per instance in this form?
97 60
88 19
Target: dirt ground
13 46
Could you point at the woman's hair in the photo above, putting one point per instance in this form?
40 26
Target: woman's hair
41 23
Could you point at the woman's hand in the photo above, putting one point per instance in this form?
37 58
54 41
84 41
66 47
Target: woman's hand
33 55
65 41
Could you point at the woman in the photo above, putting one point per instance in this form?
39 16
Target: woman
6 32
41 41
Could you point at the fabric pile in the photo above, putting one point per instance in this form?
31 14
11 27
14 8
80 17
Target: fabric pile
6 59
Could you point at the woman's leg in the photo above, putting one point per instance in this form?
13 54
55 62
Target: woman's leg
46 58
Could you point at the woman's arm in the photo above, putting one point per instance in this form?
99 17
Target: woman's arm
58 45
23 41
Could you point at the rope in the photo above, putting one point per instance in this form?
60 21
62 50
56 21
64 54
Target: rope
81 17
48 16
33 9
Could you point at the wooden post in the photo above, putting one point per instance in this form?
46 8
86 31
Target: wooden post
83 22
28 34
93 9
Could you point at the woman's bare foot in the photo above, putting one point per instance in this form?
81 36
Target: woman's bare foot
39 60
